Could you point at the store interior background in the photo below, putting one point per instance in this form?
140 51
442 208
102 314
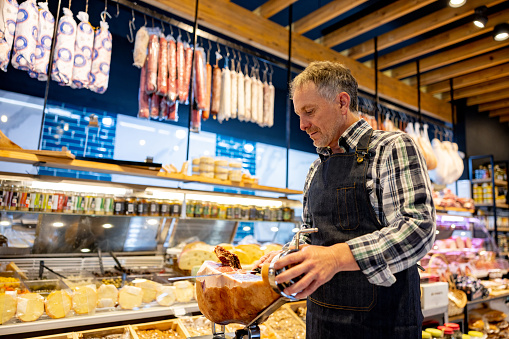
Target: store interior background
263 149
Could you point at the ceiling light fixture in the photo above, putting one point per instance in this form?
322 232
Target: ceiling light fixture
480 18
457 3
501 32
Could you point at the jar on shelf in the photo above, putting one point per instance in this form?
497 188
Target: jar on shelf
206 209
252 212
164 208
47 200
153 207
35 200
108 204
24 199
214 209
69 202
176 208
222 210
14 204
119 205
54 201
229 212
244 212
279 214
198 209
190 208
130 206
142 207
287 213
237 210
457 334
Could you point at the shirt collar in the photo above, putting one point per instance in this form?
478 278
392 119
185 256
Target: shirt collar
350 138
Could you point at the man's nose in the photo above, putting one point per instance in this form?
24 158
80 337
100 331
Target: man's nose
304 124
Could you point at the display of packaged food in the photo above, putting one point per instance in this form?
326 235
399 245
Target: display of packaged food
199 325
286 324
117 332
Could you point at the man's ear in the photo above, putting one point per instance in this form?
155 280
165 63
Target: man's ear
343 100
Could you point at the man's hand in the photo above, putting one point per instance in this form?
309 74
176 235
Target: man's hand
267 258
318 264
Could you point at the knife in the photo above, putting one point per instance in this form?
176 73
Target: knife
208 275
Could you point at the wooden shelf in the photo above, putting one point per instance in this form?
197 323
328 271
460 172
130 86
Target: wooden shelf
453 209
502 183
84 165
499 205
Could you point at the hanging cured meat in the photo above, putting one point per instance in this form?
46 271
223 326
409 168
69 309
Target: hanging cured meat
216 90
195 120
241 96
259 86
254 99
266 104
64 49
100 73
155 102
140 47
82 52
152 61
234 77
188 64
181 65
247 97
271 105
431 159
172 69
9 12
143 96
200 76
162 67
205 113
225 101
44 40
25 40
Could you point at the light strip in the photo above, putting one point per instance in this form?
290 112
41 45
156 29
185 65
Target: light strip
21 103
59 186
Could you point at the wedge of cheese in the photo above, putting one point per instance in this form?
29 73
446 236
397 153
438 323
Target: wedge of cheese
252 250
130 297
149 289
196 256
84 299
234 296
30 306
58 304
107 296
7 307
166 295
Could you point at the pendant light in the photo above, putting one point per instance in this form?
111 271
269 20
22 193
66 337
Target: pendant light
501 32
480 18
457 3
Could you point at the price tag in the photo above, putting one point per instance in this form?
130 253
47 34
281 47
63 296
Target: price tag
179 311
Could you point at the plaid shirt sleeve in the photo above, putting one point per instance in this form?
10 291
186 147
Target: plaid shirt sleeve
410 214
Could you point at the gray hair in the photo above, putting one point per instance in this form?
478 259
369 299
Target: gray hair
330 78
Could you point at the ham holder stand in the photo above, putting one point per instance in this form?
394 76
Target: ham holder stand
269 273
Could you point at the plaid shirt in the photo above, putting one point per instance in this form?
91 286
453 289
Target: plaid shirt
401 195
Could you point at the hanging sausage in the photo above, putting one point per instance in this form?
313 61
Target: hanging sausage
140 47
9 13
216 88
162 67
83 48
25 40
205 113
44 40
200 77
247 96
100 73
240 94
64 49
266 103
271 106
172 69
143 96
155 101
181 65
259 85
225 101
234 77
254 97
152 61
188 64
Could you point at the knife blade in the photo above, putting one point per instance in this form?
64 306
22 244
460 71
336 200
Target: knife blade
207 275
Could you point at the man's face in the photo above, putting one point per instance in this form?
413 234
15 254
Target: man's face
319 118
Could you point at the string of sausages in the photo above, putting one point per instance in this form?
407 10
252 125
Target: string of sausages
223 93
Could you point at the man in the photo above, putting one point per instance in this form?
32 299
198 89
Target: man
370 197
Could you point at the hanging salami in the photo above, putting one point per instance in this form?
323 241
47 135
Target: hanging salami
155 101
200 78
181 65
143 96
225 101
152 61
271 106
64 49
100 73
188 64
216 90
254 99
172 69
234 78
44 40
9 12
205 113
83 48
240 94
162 67
140 47
247 97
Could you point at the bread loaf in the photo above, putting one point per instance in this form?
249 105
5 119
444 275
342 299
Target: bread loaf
58 304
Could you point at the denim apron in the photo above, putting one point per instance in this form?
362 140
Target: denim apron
348 306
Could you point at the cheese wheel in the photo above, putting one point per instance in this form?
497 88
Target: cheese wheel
84 300
271 247
244 258
30 306
166 295
184 291
195 257
107 296
7 307
58 304
252 250
130 297
149 289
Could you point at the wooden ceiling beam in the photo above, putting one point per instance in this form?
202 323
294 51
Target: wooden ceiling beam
469 79
486 98
325 13
439 41
420 26
371 21
499 112
245 26
460 53
463 67
479 89
273 7
504 119
494 105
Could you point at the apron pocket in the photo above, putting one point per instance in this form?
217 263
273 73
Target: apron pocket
346 291
347 208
